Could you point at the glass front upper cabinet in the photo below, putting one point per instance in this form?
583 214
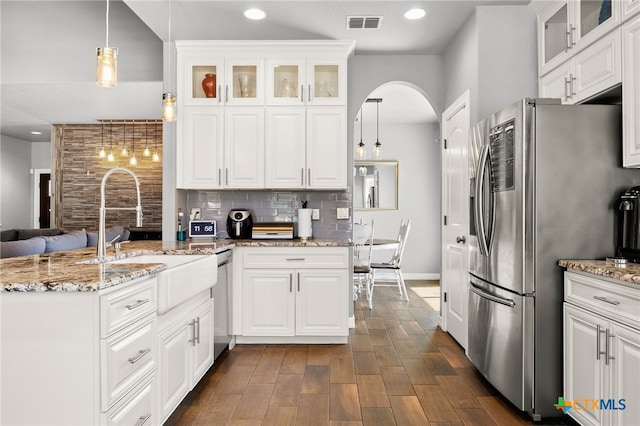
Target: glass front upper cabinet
244 85
567 27
306 82
201 82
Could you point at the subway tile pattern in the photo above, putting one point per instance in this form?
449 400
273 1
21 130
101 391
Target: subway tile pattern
276 206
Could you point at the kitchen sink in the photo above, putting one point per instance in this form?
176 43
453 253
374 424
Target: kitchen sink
185 276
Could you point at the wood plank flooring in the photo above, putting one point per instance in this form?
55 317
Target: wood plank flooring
399 368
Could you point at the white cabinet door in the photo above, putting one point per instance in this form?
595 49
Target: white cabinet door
285 147
203 346
625 371
583 368
174 366
630 8
326 81
326 148
200 148
244 147
322 303
598 67
558 83
244 84
631 93
193 68
286 81
268 307
592 20
554 45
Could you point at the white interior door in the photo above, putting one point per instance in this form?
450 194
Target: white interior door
455 229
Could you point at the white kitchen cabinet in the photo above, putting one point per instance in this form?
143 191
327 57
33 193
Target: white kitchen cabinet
306 74
631 93
593 70
306 148
601 350
302 80
185 349
567 27
220 148
200 148
293 294
630 8
92 356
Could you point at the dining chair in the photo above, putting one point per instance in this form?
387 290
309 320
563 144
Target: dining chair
363 248
392 265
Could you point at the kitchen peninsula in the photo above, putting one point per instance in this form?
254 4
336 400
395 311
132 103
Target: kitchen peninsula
125 340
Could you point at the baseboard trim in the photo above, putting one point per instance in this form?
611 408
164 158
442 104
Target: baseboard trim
352 322
421 276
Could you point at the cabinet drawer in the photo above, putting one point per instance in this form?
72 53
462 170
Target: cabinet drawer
309 257
127 357
123 307
137 408
613 300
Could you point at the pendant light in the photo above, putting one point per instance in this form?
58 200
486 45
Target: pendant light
133 161
107 61
155 157
110 157
377 149
168 98
124 152
361 150
146 152
102 153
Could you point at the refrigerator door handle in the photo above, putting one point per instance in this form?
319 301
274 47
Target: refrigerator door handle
479 201
507 302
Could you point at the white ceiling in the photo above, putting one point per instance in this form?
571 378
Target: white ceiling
48 49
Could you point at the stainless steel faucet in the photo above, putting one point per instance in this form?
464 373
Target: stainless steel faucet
102 244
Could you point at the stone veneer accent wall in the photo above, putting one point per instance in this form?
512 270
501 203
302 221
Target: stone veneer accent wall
77 173
275 206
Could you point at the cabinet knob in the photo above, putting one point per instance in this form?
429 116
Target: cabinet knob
461 240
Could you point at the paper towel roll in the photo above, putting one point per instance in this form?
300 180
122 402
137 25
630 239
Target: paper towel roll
304 223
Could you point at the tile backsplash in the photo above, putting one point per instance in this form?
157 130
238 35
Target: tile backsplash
275 206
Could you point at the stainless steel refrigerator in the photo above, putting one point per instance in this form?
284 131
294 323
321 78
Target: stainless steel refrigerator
544 179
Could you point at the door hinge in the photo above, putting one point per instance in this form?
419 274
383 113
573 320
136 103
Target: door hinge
444 296
445 220
445 144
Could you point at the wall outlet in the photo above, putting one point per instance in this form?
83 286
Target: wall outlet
343 213
195 214
315 214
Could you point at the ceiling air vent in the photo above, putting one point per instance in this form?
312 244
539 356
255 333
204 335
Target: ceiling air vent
364 22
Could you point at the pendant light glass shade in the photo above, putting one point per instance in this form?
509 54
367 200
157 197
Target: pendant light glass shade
107 67
377 151
107 61
168 107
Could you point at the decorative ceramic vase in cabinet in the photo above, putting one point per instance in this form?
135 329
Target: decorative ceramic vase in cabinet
209 85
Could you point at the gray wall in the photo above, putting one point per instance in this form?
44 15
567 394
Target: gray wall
415 148
494 56
15 183
41 155
419 158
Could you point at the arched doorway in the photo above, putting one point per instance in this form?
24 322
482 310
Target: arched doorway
409 131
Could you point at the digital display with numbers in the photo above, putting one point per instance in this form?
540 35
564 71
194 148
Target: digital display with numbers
202 228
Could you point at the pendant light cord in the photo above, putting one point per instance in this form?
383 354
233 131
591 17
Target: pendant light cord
170 82
107 32
377 120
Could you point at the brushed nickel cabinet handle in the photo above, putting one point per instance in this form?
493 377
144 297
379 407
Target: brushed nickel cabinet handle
226 93
137 304
607 357
143 419
302 93
140 354
290 283
605 300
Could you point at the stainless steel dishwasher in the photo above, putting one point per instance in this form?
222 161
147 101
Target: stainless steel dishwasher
222 304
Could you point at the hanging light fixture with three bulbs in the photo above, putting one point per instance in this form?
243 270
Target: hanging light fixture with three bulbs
107 61
168 98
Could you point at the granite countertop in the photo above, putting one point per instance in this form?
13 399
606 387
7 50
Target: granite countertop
79 270
629 272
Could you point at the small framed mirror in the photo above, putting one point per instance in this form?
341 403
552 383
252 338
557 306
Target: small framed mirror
375 185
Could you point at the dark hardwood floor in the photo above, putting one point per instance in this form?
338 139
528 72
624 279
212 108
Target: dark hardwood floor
399 368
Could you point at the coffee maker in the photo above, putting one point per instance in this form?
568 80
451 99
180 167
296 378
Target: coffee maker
628 238
239 224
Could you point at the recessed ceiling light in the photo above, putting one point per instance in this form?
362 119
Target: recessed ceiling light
36 133
415 13
255 14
